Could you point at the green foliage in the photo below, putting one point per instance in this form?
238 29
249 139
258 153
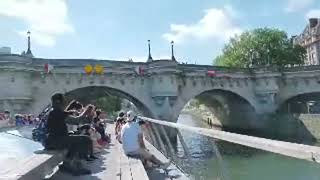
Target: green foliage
261 47
195 103
109 103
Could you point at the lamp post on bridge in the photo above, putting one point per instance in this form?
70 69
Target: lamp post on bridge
172 53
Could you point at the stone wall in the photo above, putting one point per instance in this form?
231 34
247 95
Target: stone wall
312 123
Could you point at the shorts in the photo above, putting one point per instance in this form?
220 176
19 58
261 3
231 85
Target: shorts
141 153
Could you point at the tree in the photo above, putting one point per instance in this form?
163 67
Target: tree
261 47
109 103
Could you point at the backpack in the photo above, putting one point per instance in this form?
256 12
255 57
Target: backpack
40 132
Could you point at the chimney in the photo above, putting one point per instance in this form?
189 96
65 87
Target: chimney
313 22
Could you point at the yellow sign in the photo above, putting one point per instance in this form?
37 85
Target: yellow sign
99 69
88 69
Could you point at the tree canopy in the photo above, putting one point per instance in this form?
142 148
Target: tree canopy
261 47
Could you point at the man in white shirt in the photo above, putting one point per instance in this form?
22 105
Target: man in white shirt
133 143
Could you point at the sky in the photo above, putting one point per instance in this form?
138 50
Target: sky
119 29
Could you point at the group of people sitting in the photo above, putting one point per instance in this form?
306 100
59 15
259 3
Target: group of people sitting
25 119
19 119
82 143
89 136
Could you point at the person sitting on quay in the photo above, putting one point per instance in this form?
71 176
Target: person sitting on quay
78 146
133 143
100 127
120 121
5 119
75 108
19 120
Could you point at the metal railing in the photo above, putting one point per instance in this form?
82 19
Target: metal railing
158 136
300 151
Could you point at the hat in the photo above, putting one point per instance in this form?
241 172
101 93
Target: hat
130 115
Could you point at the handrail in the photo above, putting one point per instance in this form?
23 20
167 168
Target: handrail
300 151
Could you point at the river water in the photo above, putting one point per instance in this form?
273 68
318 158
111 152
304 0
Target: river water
239 162
14 146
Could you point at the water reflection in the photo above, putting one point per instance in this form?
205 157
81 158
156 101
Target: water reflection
14 148
242 163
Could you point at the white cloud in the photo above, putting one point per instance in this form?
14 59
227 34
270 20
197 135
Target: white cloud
46 19
314 13
297 5
216 23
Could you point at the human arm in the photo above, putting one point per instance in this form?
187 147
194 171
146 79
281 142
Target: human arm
141 141
75 120
70 105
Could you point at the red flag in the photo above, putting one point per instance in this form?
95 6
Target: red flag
211 73
48 68
139 70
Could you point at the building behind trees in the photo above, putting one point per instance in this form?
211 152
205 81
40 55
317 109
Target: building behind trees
310 40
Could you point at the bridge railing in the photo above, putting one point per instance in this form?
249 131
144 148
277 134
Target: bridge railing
158 134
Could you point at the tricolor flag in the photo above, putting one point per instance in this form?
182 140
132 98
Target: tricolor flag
139 70
211 73
48 68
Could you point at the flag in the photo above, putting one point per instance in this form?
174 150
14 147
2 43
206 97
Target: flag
139 70
48 68
211 73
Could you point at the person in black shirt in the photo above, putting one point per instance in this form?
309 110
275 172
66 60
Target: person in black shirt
77 146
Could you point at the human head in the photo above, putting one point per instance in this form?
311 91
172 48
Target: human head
57 100
89 110
78 105
130 116
6 114
121 114
98 112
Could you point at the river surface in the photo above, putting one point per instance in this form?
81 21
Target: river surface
14 146
239 162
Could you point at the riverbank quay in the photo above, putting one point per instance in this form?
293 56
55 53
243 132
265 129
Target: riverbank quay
298 128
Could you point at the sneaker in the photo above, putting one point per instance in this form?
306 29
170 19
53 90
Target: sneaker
65 168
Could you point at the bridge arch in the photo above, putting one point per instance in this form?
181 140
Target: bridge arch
299 103
129 89
234 110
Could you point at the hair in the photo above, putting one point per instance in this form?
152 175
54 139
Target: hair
57 98
78 105
121 114
75 105
141 122
90 106
98 112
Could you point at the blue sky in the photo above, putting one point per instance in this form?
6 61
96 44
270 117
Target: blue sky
119 30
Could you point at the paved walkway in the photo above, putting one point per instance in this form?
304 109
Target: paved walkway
106 167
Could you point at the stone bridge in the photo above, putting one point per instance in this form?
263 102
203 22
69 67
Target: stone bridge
162 90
